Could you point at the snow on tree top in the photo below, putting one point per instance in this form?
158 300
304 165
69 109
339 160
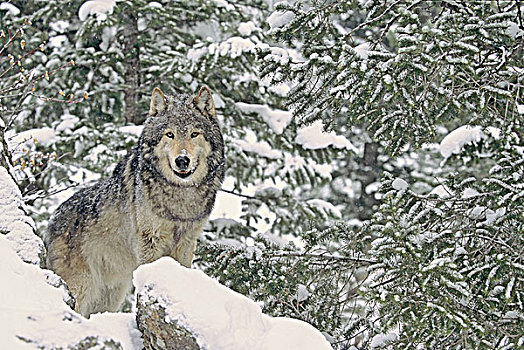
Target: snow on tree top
464 135
314 137
280 18
262 148
246 28
399 184
218 317
100 8
13 10
458 138
276 119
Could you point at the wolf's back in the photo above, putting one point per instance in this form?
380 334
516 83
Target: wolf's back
83 210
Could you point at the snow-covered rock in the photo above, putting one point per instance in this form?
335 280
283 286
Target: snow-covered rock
215 316
35 316
15 224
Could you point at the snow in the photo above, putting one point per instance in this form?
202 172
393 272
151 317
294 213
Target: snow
382 340
325 206
399 184
469 193
314 137
57 41
34 311
294 163
122 326
132 129
12 9
67 124
276 119
438 262
34 314
59 26
280 18
100 8
362 50
491 215
155 4
224 3
246 28
227 206
19 227
442 191
262 148
46 136
520 109
226 320
302 293
234 46
458 138
196 53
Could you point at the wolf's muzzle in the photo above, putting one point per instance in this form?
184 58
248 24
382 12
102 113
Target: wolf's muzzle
182 162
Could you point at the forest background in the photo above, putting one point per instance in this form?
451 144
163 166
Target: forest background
375 153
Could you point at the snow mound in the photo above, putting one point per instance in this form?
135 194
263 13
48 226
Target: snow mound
314 137
219 318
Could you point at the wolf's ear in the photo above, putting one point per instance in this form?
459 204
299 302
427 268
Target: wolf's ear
204 102
158 102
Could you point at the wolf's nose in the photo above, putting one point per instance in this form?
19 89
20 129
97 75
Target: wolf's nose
182 162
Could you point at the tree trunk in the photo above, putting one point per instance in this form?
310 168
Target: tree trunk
5 157
131 62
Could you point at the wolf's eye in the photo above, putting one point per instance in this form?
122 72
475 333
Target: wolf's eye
170 135
194 134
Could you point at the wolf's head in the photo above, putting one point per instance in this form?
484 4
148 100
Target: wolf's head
182 138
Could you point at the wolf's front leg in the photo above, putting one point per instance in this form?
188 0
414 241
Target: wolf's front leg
183 251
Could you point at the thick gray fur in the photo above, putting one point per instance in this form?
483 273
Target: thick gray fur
148 208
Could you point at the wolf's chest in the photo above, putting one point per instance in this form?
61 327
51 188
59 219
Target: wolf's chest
158 236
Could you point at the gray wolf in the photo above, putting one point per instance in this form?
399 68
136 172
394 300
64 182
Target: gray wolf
155 204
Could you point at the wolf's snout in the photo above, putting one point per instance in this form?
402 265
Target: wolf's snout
182 162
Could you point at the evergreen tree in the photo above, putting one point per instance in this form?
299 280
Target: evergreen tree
437 266
179 46
444 269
